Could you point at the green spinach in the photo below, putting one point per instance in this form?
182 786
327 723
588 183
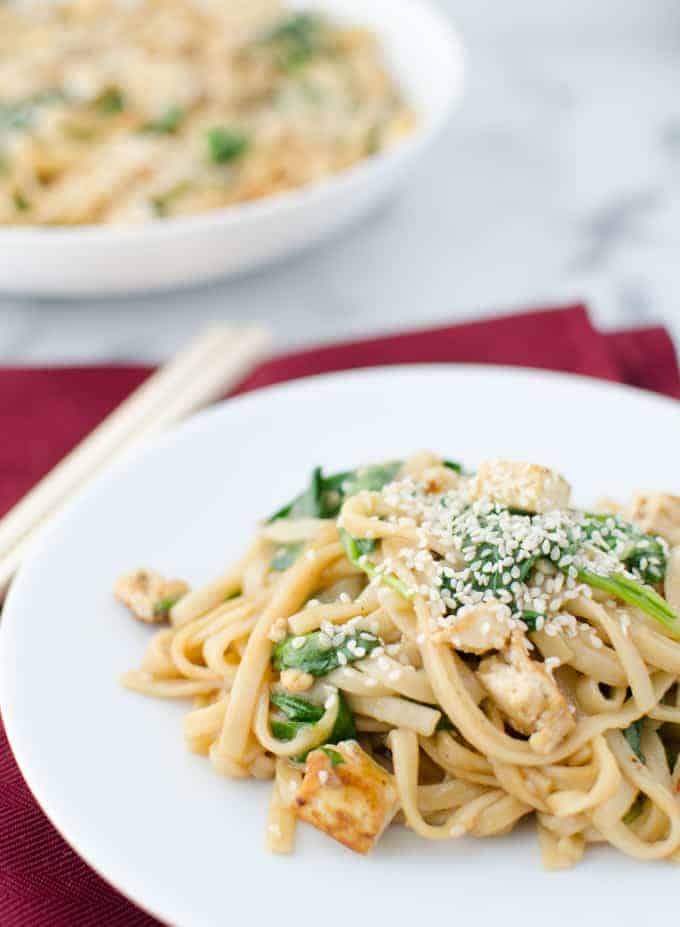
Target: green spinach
336 758
21 204
353 549
316 654
111 101
633 734
299 712
635 810
645 553
226 145
295 40
286 555
167 124
325 495
162 608
19 114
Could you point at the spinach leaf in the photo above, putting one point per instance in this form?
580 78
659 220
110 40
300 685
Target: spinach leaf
286 555
226 145
374 137
297 709
163 607
284 730
300 712
162 202
444 723
629 545
316 654
336 758
633 735
310 503
15 115
167 124
530 618
353 549
295 40
325 495
21 204
307 504
371 479
648 558
159 205
19 114
344 727
569 549
365 545
644 553
672 748
643 597
111 101
490 571
635 810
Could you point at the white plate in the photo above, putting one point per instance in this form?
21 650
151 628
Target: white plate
424 54
109 766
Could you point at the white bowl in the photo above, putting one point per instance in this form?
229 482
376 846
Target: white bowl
424 54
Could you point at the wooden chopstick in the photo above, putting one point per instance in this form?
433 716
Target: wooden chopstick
217 359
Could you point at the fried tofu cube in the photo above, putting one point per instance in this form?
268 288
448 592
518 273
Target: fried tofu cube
347 795
527 695
521 486
478 628
148 595
656 513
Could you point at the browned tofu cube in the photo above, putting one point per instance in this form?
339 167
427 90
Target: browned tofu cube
347 795
528 695
520 485
148 595
657 513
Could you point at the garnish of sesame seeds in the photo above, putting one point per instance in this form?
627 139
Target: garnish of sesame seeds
470 552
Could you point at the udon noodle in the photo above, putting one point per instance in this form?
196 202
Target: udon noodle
411 644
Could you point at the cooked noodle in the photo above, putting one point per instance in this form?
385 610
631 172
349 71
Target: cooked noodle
409 644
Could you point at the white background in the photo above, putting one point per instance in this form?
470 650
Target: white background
558 179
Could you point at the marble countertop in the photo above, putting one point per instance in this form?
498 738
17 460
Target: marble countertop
557 180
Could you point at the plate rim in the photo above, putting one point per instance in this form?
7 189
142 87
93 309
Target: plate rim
18 742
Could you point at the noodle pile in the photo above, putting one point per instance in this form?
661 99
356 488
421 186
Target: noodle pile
125 112
410 644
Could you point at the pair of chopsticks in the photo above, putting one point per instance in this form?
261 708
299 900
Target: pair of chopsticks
201 373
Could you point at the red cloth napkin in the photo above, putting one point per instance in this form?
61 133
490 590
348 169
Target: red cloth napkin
43 413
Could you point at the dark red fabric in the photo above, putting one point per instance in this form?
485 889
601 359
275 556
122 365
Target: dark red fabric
551 339
43 413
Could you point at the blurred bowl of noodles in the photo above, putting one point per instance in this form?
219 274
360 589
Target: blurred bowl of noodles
153 145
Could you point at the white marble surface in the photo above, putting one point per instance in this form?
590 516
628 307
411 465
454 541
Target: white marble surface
558 179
